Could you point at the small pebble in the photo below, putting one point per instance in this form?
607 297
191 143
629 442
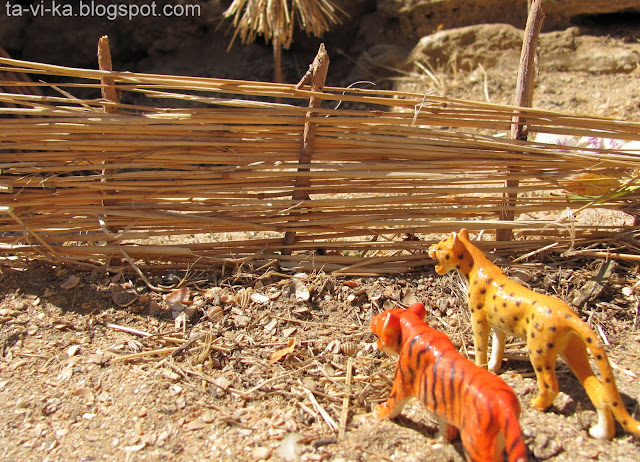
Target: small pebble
261 453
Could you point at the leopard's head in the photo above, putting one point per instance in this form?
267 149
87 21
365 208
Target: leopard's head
449 252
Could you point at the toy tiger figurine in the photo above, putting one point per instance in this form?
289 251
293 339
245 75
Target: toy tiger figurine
462 395
549 326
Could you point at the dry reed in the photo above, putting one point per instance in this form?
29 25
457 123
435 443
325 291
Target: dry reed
227 162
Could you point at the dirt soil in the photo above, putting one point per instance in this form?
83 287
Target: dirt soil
261 365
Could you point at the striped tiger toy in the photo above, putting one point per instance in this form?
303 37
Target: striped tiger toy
462 395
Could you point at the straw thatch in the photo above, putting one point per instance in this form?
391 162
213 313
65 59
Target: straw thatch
225 165
275 19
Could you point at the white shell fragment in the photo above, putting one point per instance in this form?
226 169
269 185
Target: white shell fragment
259 298
300 290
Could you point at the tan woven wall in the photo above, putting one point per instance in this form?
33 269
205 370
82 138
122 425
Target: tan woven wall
78 184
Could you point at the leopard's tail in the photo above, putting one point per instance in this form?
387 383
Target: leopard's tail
611 396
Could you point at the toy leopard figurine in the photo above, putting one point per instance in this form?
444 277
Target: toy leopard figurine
462 395
549 326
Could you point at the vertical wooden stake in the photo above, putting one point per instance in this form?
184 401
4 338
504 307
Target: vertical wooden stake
109 92
524 98
277 61
110 95
317 75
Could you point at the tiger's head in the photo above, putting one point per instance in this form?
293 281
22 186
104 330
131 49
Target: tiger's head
449 252
387 327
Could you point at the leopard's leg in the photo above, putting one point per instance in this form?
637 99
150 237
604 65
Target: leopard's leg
543 359
497 350
480 329
575 354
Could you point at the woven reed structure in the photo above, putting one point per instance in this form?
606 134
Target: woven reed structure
213 181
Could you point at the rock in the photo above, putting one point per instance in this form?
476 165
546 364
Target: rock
423 17
544 448
499 45
261 453
570 51
466 47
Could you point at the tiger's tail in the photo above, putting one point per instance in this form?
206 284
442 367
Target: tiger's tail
513 443
611 396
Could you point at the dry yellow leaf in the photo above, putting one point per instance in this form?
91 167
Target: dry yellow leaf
281 353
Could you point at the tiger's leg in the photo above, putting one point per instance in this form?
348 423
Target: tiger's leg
446 431
575 354
395 402
497 350
480 329
482 444
543 360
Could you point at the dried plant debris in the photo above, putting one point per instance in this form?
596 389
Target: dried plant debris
263 367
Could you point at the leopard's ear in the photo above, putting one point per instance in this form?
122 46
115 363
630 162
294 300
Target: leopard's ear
454 238
464 234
